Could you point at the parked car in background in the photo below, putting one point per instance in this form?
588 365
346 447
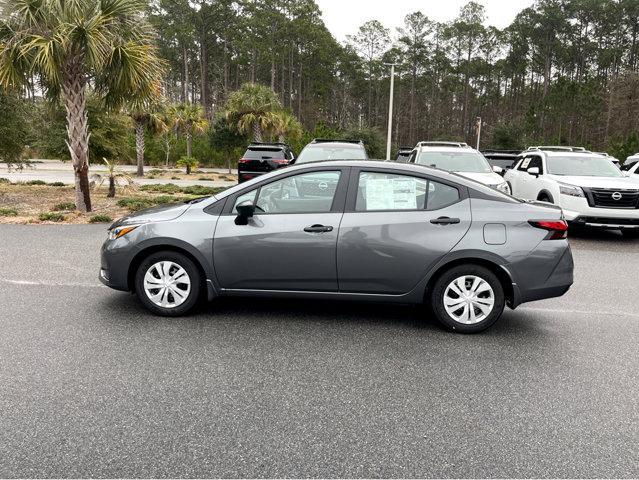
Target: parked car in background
376 231
504 159
403 154
631 164
320 150
261 158
459 158
589 188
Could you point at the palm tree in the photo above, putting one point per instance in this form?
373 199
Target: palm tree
253 108
147 117
286 126
114 175
189 120
70 44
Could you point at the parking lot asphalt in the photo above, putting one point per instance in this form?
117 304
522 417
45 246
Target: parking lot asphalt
91 385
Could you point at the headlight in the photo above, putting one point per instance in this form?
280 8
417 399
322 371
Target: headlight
503 187
571 190
118 232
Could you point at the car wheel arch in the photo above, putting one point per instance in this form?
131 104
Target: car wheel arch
502 273
147 250
547 194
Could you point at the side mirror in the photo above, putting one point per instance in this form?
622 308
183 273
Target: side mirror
245 210
534 171
498 169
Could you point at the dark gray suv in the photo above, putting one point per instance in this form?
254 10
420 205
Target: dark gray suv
358 230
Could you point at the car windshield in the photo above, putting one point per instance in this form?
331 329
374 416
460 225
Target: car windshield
314 153
582 166
471 162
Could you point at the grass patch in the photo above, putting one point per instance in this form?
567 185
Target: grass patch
57 184
205 179
135 204
60 207
51 217
4 180
100 219
8 212
175 178
35 182
171 188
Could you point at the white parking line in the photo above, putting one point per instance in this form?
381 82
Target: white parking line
51 284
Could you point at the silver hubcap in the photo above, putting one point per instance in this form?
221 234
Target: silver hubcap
469 299
167 284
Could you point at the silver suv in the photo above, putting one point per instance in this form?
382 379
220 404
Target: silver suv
458 157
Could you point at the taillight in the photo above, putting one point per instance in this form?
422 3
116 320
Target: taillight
279 161
559 228
243 160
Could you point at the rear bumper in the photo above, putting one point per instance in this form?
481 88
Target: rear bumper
244 176
536 282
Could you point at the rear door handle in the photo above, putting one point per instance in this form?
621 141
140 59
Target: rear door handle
318 228
445 221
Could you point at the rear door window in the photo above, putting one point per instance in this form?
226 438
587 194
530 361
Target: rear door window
264 154
378 191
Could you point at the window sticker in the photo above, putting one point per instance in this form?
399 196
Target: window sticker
398 193
526 162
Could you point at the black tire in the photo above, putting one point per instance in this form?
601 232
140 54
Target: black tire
438 294
191 270
630 232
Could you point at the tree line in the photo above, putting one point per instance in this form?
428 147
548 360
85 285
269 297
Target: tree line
194 80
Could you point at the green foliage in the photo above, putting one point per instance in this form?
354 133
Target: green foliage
8 212
51 217
507 136
189 163
35 182
623 148
64 206
170 188
111 135
135 204
56 184
4 180
373 139
100 218
13 128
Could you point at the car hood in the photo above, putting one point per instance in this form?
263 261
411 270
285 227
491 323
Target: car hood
489 178
162 213
598 182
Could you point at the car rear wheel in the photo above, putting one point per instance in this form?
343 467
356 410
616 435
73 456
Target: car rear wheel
168 283
468 298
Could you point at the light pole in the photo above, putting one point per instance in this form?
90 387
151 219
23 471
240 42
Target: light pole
478 131
390 111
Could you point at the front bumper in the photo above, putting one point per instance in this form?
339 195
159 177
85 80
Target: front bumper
577 211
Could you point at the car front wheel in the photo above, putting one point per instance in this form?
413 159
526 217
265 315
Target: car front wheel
468 299
168 283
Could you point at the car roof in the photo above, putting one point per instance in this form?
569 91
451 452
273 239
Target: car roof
444 149
339 143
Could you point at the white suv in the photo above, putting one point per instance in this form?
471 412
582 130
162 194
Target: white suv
589 188
458 157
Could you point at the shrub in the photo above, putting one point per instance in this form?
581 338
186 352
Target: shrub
35 182
4 180
189 163
64 206
57 184
205 179
201 190
175 178
160 188
51 217
135 204
8 212
163 199
100 218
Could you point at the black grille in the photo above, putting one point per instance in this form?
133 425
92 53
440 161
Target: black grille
609 198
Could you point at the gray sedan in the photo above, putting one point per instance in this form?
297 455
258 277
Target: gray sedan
356 230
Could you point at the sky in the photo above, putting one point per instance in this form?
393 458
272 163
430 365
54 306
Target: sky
343 17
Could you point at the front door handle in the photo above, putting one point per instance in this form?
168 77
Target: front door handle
445 221
318 228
